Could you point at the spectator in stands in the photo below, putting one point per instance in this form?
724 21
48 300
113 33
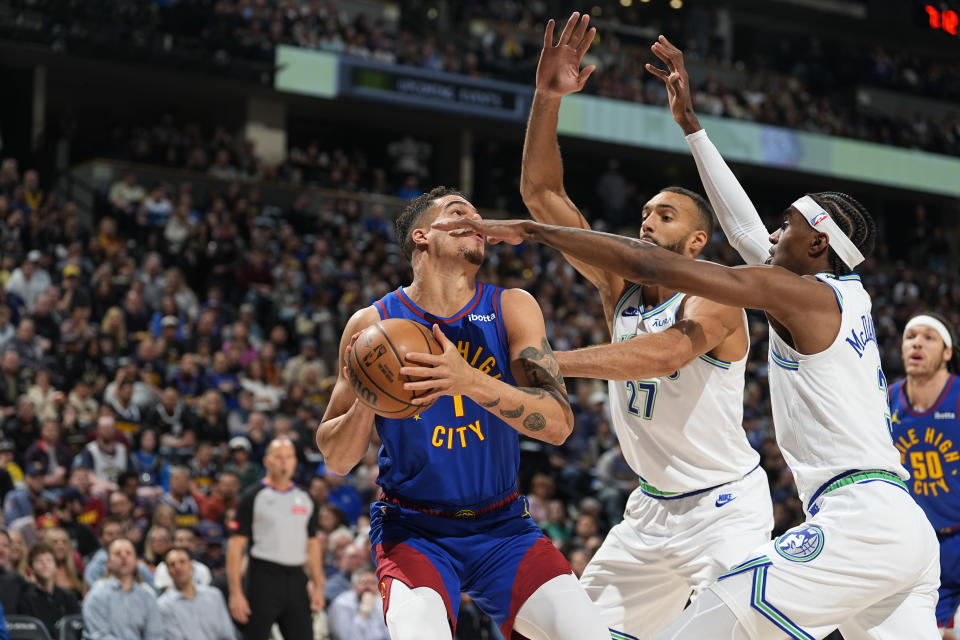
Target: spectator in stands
143 394
223 496
17 560
159 540
89 510
20 503
307 357
46 320
29 280
126 414
221 167
47 401
70 510
27 345
358 611
204 469
351 560
186 509
106 456
121 508
190 609
45 600
110 531
68 561
211 552
23 428
211 422
145 461
13 586
248 472
11 383
175 422
7 330
185 539
126 195
156 208
53 452
121 605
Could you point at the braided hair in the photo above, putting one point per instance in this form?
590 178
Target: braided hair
853 219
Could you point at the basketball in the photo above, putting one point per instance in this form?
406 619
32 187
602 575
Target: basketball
375 363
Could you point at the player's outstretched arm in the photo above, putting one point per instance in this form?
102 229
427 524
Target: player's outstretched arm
705 326
537 407
541 177
347 425
781 293
736 213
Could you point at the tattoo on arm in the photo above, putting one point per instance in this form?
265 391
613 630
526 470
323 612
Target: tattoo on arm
512 413
560 238
534 422
543 372
491 404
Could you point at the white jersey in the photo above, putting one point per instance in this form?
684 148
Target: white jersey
830 409
683 432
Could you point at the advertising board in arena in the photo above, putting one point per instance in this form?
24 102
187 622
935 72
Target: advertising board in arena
322 74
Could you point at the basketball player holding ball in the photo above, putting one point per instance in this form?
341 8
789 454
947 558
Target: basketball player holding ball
450 518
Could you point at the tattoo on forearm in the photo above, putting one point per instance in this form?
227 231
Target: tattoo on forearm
512 413
568 239
534 422
543 372
491 404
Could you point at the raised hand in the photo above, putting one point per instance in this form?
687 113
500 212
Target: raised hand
495 231
677 82
559 72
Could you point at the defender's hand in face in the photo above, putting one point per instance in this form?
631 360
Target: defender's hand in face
495 231
447 374
559 72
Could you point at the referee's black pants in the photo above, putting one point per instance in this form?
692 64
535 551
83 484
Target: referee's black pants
277 593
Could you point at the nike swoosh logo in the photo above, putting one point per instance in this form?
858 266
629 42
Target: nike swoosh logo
725 499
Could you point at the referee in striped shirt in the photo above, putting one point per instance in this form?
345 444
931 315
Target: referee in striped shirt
278 520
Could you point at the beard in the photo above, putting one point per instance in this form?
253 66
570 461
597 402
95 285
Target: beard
674 247
473 256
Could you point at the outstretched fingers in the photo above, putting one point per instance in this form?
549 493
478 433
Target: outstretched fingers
585 74
568 29
579 30
584 45
548 33
660 73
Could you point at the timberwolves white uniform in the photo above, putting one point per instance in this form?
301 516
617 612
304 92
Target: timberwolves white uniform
702 502
866 560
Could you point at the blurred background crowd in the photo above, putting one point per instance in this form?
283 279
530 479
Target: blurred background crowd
798 80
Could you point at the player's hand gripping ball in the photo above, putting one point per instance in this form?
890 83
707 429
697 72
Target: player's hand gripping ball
374 365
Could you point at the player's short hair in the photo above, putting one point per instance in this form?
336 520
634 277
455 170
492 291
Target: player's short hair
409 217
853 219
705 215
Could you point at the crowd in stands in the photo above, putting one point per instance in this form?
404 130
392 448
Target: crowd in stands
147 359
796 82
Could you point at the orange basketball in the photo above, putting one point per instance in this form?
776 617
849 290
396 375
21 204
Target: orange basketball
375 362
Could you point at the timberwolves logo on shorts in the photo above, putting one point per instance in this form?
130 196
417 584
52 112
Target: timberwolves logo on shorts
801 545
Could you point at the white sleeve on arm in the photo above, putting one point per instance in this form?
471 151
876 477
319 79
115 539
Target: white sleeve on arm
736 213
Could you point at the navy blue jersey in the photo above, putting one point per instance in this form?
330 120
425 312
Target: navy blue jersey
456 454
929 445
